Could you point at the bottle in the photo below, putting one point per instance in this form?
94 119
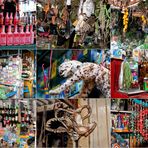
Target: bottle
27 34
16 36
15 21
16 115
3 37
1 2
22 36
10 19
31 35
7 19
9 39
1 18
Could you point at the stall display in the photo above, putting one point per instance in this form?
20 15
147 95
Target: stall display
17 120
17 28
69 123
73 24
85 74
128 48
28 74
10 81
16 80
129 119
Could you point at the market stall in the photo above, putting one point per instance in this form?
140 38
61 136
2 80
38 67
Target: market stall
129 123
17 74
17 123
129 44
73 24
70 123
17 23
73 74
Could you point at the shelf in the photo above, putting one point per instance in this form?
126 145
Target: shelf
22 47
132 91
116 111
27 79
121 131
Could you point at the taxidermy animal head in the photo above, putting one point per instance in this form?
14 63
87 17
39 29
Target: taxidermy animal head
68 68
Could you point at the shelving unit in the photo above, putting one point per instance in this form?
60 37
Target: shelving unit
19 47
120 111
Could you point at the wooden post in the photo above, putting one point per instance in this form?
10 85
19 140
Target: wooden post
75 143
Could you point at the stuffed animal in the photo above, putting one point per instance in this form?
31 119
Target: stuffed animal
90 73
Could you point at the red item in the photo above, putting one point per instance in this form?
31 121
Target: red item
16 37
115 72
22 36
9 36
27 35
31 34
10 19
3 37
15 22
7 19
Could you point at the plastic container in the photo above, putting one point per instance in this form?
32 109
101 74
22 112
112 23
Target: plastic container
3 37
145 83
16 37
9 36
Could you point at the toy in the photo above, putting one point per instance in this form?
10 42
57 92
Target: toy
90 73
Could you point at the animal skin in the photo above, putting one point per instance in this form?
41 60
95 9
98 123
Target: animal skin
90 73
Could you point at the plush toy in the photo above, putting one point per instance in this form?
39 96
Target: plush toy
90 73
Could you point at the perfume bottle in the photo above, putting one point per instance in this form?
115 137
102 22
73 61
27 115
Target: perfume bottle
9 40
31 34
3 37
22 36
16 37
7 19
27 35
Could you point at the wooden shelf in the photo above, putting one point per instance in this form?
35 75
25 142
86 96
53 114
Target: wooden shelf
116 111
121 131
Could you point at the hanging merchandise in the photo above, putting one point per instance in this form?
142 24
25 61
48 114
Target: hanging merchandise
11 123
139 120
73 24
129 124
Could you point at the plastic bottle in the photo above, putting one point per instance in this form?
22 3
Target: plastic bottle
1 18
9 40
3 37
27 35
22 36
16 37
10 19
15 22
7 19
31 35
